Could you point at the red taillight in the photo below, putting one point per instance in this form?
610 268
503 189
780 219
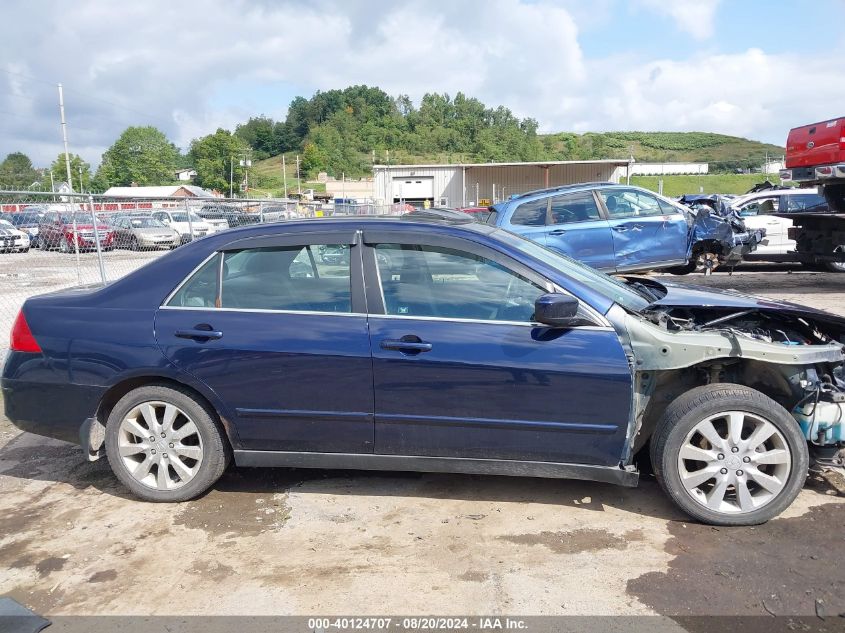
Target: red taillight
21 338
842 143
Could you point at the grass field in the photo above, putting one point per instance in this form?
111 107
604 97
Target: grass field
267 177
709 183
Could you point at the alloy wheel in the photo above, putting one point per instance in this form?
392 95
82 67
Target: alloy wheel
160 445
734 462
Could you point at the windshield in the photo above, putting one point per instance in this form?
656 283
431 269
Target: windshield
183 217
145 223
6 224
608 286
81 218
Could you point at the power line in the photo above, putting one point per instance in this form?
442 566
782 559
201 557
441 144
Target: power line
86 95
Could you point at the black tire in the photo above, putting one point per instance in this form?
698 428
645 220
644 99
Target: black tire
216 450
133 244
836 267
687 411
689 267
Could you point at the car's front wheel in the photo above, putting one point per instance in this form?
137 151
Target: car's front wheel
729 455
163 444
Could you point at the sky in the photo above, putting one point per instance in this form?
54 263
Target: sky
751 68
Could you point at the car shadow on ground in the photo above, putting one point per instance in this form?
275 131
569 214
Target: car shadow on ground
28 457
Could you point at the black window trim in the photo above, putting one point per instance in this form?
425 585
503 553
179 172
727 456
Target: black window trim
375 299
358 301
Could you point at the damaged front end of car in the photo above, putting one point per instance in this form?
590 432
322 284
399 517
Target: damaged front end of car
793 354
718 235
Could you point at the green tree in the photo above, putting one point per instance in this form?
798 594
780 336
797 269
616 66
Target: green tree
260 134
17 172
141 155
76 163
214 155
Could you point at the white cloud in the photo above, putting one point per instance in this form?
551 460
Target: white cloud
746 94
189 68
695 17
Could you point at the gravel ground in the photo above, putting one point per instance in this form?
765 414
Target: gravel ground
331 542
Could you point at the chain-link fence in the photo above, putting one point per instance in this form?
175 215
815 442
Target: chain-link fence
49 241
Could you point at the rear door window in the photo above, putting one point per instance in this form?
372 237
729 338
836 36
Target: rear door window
286 278
289 278
574 207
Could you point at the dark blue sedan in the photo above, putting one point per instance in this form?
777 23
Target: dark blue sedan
431 345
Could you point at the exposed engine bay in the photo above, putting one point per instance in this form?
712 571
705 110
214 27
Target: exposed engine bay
762 326
794 355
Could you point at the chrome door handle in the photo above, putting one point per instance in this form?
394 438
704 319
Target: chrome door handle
405 346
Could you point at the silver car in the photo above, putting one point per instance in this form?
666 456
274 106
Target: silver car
138 232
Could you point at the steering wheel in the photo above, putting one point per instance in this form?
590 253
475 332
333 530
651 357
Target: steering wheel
562 216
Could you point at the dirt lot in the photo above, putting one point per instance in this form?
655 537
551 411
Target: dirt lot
328 542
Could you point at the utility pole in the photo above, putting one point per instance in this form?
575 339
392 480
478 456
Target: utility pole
231 174
64 135
298 177
52 184
80 180
284 176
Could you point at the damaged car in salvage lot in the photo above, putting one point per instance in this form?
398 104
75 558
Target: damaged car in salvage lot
466 349
623 229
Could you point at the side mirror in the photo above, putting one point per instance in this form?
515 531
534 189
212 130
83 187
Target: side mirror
556 310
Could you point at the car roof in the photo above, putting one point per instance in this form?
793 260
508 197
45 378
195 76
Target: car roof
581 186
411 221
771 193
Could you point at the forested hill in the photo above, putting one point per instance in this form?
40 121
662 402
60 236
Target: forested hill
724 153
343 131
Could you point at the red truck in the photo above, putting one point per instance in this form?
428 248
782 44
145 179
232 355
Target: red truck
815 155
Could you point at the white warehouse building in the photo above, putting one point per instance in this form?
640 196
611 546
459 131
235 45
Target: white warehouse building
472 184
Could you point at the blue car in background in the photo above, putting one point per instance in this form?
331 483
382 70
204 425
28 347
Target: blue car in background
431 345
621 229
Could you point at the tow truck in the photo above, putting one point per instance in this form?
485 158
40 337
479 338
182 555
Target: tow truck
815 155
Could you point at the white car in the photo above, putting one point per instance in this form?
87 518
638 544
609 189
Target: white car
178 221
757 211
12 239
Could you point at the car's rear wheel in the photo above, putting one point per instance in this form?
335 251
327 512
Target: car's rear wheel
729 455
163 444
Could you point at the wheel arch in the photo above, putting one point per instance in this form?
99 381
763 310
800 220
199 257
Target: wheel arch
95 430
660 388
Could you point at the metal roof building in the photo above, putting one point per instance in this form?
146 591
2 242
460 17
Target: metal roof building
165 191
470 184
